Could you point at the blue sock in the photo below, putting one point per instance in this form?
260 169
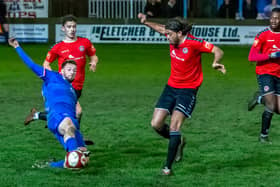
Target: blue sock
79 138
71 144
59 164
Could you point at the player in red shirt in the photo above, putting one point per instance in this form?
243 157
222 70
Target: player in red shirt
71 48
266 52
179 95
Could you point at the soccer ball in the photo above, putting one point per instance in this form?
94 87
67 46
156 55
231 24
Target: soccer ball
75 160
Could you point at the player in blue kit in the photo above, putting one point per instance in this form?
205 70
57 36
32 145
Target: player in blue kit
60 102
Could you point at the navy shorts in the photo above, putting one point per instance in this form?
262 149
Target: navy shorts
269 84
180 99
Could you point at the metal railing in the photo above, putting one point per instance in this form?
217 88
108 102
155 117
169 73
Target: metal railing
115 9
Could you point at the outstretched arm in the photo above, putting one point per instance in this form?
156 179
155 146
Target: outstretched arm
156 26
218 56
38 70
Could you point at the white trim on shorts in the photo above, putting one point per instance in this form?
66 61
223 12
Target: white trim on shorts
182 111
164 109
180 105
268 93
188 115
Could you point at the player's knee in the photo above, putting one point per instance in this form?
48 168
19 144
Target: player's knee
69 127
70 131
153 124
175 125
156 124
271 107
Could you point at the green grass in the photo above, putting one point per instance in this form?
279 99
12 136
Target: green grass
118 101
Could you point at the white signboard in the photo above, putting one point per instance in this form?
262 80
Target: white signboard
142 34
227 34
29 32
27 8
116 34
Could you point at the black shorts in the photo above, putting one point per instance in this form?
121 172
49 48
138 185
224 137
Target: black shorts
180 99
78 93
269 84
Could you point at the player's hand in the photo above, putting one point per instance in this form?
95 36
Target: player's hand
142 17
219 67
92 66
13 42
46 65
275 54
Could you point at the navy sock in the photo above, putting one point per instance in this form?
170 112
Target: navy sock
59 164
43 116
266 121
164 131
174 142
71 144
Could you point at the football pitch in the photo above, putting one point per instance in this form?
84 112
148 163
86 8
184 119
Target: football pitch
118 101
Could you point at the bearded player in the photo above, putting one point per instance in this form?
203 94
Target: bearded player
179 95
266 52
62 120
71 48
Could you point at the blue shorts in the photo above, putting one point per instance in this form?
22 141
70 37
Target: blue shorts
53 123
180 99
269 84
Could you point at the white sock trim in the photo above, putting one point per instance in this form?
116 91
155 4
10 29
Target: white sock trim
36 115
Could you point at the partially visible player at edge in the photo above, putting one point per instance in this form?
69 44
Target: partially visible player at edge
62 120
266 52
179 95
71 48
4 26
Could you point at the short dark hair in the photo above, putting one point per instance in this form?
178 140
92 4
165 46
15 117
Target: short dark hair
69 17
68 62
276 10
179 24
